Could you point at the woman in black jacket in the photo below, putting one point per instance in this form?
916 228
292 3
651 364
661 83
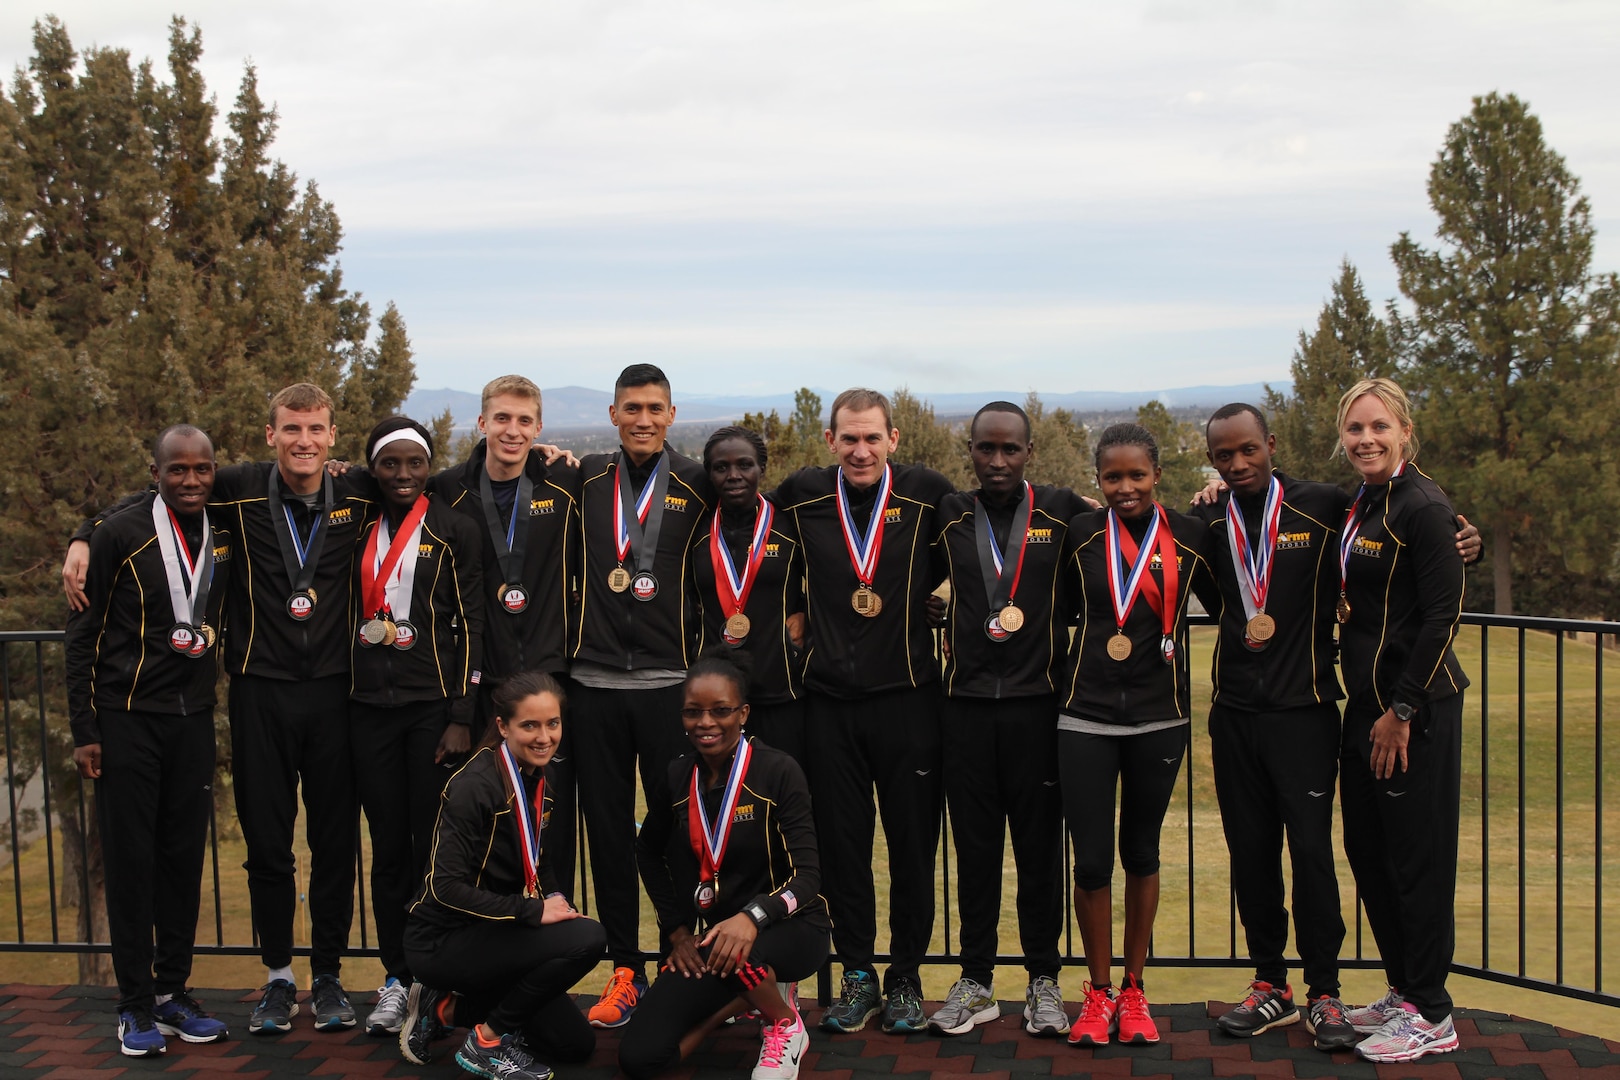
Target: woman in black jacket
1400 763
728 855
491 941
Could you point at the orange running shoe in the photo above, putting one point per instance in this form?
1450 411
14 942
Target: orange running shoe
1135 1024
1097 1020
618 999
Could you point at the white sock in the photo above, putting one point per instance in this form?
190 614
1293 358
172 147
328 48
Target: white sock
162 999
280 973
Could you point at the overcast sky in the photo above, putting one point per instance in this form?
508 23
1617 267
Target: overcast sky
956 196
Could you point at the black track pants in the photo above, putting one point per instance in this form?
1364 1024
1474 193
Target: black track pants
1142 768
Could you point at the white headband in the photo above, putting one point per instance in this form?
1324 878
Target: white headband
402 435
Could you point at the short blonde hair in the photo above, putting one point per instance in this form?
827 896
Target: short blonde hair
1393 398
302 397
510 386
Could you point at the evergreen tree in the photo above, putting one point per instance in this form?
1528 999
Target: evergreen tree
793 443
1181 454
926 440
1062 449
1510 349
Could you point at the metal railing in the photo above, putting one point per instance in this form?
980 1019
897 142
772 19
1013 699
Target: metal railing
1532 843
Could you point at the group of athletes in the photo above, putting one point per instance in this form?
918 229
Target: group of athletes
545 627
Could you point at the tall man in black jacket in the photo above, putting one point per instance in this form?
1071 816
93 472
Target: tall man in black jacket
873 682
141 670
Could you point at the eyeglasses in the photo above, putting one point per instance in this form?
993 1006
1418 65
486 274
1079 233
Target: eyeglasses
719 712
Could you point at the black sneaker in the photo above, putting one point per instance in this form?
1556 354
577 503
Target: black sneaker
332 1009
277 1006
1329 1021
903 1012
1265 1007
859 1001
421 1027
508 1059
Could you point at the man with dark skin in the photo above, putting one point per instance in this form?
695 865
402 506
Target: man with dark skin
1274 719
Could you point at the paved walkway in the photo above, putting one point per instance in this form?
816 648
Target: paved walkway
65 1032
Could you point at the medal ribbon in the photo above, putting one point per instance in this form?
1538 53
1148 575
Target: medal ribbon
1121 550
864 550
377 572
732 588
301 558
189 580
509 543
628 535
1352 528
1254 567
709 841
530 821
999 589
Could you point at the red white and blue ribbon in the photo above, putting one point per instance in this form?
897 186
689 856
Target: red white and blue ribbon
1352 529
734 586
189 576
1254 566
530 821
1122 588
709 841
621 527
864 549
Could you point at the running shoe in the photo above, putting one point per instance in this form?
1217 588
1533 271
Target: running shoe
1135 1022
618 999
781 1046
1098 1019
1263 1008
1043 1007
967 1005
332 1009
903 1012
1410 1038
138 1034
505 1059
277 1006
182 1016
388 1015
424 1022
1372 1017
859 1001
1327 1019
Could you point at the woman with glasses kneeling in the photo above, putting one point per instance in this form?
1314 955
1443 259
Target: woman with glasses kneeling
728 856
492 943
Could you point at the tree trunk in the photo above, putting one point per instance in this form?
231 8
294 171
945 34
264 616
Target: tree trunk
1502 567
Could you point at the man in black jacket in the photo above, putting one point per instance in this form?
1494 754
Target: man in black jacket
141 669
637 630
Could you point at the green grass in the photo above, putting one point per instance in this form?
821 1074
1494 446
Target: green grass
1532 807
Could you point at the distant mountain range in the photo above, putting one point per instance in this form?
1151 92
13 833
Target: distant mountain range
576 407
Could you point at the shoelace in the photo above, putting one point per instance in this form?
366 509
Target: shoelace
141 1020
186 1004
1133 1004
621 991
1095 1006
391 996
277 994
1047 993
905 994
1256 996
963 993
851 989
775 1040
1329 1011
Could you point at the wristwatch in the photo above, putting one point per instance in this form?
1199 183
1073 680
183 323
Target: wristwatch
1403 712
757 913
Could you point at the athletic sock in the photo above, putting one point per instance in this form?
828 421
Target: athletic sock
285 973
161 1000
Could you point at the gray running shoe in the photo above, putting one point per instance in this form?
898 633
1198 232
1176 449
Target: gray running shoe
389 1013
1370 1018
1043 1008
966 1005
332 1009
1409 1039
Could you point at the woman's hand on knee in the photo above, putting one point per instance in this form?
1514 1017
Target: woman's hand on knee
558 910
683 954
729 944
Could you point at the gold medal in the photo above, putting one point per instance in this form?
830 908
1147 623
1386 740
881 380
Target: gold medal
1012 618
1119 646
390 632
207 633
866 602
618 579
1343 610
738 626
1261 628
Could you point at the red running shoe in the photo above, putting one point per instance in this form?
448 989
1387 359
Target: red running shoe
1098 1018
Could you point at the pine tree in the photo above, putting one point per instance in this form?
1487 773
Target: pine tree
1062 449
926 440
1181 454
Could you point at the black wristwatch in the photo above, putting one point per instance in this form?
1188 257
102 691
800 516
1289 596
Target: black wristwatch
1403 712
757 913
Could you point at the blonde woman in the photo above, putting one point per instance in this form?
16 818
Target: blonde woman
1400 597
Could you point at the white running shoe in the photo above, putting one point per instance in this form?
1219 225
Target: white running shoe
1409 1039
781 1047
388 1015
1370 1018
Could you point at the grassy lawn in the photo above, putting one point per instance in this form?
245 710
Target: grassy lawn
1196 914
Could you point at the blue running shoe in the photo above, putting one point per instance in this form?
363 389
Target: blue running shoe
182 1016
138 1034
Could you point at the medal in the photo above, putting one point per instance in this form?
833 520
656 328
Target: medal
509 543
1119 646
372 632
1000 580
188 578
387 578
404 635
618 579
1342 610
300 556
1167 647
644 586
1253 567
733 587
864 548
301 605
709 840
531 821
514 598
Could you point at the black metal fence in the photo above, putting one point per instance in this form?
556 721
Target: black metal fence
1533 854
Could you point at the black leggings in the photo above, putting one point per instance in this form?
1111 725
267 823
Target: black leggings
675 1004
1143 768
514 977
